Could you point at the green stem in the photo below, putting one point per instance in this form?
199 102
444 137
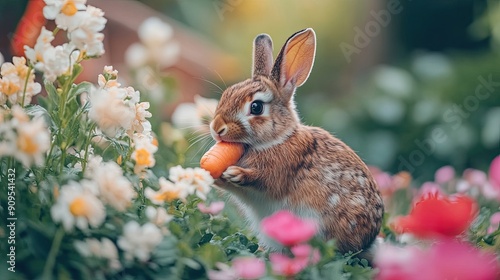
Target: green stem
54 250
87 145
30 68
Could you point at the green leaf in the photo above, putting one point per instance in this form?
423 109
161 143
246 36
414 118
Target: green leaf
211 254
205 238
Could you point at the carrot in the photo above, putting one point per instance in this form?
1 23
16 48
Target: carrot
29 27
220 157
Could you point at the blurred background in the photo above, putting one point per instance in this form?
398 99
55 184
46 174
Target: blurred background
409 85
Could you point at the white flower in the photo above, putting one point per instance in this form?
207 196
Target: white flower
168 191
1 59
52 61
78 205
158 216
65 7
15 77
156 47
199 179
33 140
86 35
136 55
153 31
104 249
139 241
110 111
24 139
143 152
114 188
195 116
140 124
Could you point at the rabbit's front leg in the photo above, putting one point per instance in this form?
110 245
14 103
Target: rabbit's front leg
240 175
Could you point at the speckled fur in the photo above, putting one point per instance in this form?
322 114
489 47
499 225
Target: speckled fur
288 165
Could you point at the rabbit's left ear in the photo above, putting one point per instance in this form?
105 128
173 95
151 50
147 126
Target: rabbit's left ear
262 55
295 60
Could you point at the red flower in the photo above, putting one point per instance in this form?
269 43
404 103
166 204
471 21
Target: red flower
438 215
288 229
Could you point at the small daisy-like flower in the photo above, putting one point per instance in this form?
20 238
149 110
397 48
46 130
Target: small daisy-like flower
78 205
140 124
158 216
104 249
109 110
33 140
139 241
17 82
65 7
199 179
114 188
86 35
143 152
168 191
24 139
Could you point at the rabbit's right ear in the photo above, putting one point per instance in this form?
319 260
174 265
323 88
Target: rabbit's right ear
262 55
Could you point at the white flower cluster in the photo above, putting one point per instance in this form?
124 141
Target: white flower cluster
17 82
24 139
104 249
82 203
82 23
182 182
52 61
116 109
139 241
155 47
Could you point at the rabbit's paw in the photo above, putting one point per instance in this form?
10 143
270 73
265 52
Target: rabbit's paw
237 175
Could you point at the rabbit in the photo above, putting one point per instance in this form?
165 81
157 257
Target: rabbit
287 165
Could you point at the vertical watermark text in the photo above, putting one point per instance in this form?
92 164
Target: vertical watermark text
11 219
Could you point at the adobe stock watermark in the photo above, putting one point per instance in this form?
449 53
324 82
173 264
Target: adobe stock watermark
11 219
454 117
224 6
363 37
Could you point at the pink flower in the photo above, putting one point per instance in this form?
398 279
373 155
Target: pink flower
475 177
448 259
214 208
494 222
249 267
306 252
429 189
304 255
224 272
288 229
494 172
444 174
286 266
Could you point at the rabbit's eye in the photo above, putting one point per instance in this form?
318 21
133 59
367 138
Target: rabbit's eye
257 107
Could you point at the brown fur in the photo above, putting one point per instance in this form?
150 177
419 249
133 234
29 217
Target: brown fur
298 167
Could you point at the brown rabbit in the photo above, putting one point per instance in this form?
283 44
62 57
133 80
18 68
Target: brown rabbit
288 165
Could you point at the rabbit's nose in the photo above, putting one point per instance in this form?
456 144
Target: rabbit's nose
222 130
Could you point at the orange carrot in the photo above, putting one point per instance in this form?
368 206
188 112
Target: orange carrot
220 157
29 27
